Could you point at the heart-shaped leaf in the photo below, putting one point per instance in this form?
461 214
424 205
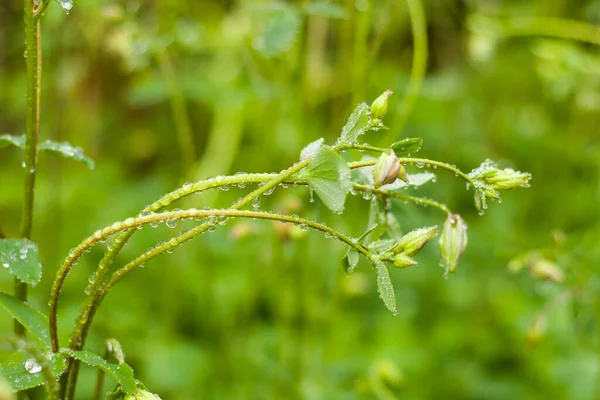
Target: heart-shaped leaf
329 176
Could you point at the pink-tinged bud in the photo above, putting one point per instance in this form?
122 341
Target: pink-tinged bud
141 394
453 242
411 243
387 169
379 107
401 260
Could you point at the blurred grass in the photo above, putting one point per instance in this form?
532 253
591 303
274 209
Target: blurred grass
267 316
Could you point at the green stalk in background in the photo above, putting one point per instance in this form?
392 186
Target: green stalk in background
32 127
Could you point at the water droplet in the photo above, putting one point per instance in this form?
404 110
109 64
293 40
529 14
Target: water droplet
5 265
32 366
303 227
224 188
256 203
187 185
269 191
172 223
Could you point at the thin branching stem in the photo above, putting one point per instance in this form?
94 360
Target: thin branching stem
417 200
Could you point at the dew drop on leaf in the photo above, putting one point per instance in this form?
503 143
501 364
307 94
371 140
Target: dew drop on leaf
32 366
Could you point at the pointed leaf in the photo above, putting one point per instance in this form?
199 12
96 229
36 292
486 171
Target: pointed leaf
13 369
122 373
350 260
21 258
65 150
329 176
407 146
12 140
385 287
357 124
325 9
311 149
30 318
67 5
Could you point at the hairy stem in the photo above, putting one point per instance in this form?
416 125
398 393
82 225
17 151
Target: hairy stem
33 49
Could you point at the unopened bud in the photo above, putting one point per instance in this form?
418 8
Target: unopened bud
379 107
387 169
401 260
500 179
411 243
453 241
544 269
141 394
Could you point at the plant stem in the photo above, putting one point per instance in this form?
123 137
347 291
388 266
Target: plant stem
419 65
178 107
417 200
33 50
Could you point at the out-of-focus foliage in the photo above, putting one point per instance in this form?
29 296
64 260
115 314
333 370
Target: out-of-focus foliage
160 93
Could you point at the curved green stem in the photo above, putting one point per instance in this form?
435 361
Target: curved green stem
363 147
419 65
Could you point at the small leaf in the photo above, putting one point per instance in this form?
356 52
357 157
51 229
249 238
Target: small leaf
15 372
279 31
21 258
65 150
357 124
350 260
407 146
325 9
382 245
385 287
311 149
414 180
12 140
329 176
122 373
30 318
67 5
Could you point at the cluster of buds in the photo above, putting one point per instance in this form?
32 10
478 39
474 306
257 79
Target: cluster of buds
410 244
387 169
453 241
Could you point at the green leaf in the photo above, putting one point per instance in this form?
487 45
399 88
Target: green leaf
357 124
122 373
67 5
350 260
311 149
30 318
279 31
385 287
407 146
329 176
21 258
65 150
413 179
382 245
13 369
325 9
12 140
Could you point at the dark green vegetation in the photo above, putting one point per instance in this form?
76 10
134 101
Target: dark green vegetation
163 93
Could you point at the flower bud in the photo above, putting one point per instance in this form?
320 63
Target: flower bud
546 270
379 107
141 394
387 169
453 241
401 260
411 243
500 179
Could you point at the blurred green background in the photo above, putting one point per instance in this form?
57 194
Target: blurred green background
160 93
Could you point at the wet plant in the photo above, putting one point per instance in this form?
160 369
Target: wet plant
330 172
